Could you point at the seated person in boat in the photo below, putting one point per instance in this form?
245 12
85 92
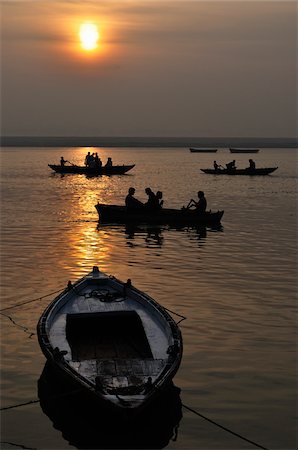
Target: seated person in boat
159 200
131 202
252 164
109 162
231 166
216 166
154 200
200 205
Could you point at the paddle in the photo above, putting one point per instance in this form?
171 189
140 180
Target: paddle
71 163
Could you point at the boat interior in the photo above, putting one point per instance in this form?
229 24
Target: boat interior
117 344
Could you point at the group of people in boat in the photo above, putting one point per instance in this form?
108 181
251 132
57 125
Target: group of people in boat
94 161
155 202
232 165
91 160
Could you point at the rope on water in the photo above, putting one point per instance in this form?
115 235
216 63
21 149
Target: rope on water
223 428
18 445
20 404
25 329
30 301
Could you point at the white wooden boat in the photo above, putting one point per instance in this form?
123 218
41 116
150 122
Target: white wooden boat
111 340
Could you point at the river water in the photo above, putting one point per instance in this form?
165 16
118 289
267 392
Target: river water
236 286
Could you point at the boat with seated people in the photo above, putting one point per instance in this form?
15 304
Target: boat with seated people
94 171
111 340
184 216
247 171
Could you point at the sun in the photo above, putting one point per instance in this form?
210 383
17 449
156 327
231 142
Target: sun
89 36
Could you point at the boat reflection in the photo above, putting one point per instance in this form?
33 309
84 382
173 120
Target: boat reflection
87 427
153 235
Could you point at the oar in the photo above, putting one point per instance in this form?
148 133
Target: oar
71 163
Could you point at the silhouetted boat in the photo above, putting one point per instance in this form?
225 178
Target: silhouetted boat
120 214
86 426
83 170
202 150
111 340
244 150
248 171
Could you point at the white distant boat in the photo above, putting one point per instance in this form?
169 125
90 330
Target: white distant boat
244 150
112 341
202 150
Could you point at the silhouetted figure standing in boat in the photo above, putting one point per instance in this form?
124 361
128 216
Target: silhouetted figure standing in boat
97 161
200 205
131 202
109 162
231 166
252 164
62 161
88 159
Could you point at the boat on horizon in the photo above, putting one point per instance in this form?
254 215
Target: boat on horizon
244 150
202 150
120 214
111 341
92 171
248 171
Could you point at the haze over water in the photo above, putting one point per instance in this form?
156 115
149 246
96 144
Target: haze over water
236 286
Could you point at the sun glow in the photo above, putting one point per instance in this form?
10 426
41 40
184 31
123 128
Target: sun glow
89 36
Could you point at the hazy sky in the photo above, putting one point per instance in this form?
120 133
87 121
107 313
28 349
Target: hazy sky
161 68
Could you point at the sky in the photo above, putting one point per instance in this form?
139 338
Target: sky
164 68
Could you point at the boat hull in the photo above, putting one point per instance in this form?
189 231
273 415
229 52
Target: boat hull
92 171
249 172
244 150
202 150
120 214
112 342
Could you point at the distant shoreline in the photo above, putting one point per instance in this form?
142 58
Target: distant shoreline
44 141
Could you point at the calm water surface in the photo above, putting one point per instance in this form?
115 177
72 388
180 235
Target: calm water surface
236 286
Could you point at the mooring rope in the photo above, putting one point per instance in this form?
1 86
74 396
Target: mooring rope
223 428
18 445
179 315
25 329
30 301
184 406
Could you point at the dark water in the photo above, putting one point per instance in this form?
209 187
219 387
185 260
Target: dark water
236 286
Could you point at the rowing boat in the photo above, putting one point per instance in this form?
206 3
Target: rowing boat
202 150
83 170
120 214
248 171
244 150
111 340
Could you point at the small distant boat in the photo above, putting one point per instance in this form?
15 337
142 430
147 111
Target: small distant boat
83 170
120 214
244 150
112 341
202 150
248 171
